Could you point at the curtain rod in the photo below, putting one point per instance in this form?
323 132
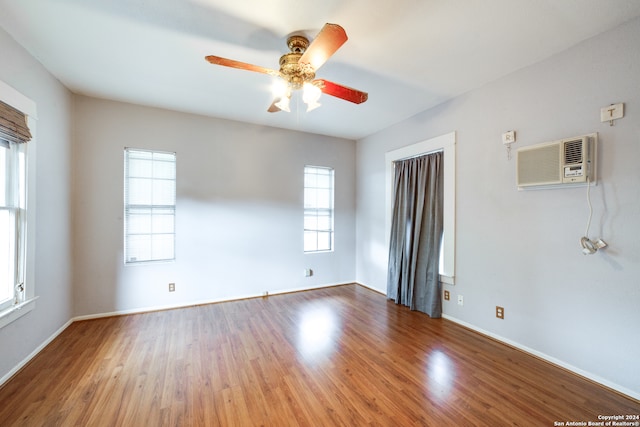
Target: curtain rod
439 150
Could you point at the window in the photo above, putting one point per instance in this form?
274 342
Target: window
18 115
149 206
14 134
318 209
12 222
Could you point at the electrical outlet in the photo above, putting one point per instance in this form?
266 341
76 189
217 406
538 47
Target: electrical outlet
447 296
460 300
172 287
499 312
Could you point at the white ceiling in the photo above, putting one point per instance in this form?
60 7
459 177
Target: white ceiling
409 55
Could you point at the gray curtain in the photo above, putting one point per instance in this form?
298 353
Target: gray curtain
416 234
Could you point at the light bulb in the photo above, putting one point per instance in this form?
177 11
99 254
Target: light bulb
283 104
312 105
279 88
310 95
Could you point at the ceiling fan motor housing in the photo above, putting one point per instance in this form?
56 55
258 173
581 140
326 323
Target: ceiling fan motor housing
291 70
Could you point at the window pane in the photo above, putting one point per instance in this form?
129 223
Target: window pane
139 247
310 221
324 199
324 241
310 180
141 168
139 191
324 181
7 255
310 198
324 223
163 192
3 175
22 177
163 223
164 169
159 156
139 221
310 241
140 154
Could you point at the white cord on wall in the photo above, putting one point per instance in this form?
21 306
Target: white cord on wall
586 233
590 247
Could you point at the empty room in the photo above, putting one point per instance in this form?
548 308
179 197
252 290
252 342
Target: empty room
304 213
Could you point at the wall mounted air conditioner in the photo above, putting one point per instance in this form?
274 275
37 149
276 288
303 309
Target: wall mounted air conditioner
566 162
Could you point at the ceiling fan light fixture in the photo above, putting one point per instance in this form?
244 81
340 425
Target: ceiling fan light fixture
283 104
299 66
312 106
310 96
279 88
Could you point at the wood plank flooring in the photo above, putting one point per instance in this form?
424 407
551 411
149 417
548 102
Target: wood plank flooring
342 356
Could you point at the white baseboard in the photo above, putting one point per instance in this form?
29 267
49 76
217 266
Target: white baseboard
546 357
34 353
371 289
203 302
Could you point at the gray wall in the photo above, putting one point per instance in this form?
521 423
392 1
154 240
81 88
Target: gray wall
50 272
239 209
521 250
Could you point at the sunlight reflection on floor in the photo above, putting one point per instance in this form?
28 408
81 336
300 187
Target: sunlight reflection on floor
440 374
318 331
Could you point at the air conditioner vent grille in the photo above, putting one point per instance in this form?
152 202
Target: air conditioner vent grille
573 152
539 166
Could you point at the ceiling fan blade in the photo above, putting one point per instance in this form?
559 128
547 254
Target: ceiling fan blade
326 43
217 60
342 92
273 108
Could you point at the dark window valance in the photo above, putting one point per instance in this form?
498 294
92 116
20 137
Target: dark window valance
13 124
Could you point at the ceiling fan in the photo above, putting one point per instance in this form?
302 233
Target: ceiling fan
298 69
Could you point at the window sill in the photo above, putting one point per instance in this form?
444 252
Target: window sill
17 311
449 280
149 262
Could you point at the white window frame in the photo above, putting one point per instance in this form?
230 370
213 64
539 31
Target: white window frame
312 210
14 207
24 297
447 144
154 212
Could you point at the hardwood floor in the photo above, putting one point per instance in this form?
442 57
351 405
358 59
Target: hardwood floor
342 356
